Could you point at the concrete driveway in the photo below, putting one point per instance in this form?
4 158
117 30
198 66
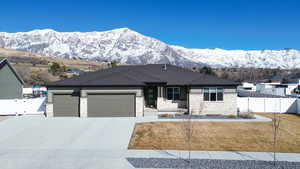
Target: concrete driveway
64 143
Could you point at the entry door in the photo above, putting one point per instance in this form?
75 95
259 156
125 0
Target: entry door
151 96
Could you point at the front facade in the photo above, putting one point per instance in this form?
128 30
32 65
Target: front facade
130 91
11 84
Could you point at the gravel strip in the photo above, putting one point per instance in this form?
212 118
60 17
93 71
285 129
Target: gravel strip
181 116
209 164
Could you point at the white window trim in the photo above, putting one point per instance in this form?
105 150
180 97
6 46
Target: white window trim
173 93
213 88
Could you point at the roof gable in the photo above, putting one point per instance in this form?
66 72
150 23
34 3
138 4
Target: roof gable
4 62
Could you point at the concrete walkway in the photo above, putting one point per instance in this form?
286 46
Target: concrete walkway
219 155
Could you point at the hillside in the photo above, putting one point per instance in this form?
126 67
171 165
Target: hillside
34 68
27 58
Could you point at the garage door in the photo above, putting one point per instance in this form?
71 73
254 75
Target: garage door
111 105
66 105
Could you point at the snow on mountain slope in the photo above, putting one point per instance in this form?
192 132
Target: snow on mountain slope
127 46
286 58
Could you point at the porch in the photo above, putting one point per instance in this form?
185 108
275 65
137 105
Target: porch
165 100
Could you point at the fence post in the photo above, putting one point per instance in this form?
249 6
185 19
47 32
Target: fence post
248 104
279 105
264 105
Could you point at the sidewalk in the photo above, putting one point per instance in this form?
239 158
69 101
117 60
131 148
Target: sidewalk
219 155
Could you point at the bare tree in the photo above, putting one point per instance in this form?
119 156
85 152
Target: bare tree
188 131
275 128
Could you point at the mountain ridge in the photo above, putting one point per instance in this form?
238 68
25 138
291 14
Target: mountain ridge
130 47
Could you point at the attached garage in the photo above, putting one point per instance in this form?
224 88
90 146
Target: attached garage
66 105
111 105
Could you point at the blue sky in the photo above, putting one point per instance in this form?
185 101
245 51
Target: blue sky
228 24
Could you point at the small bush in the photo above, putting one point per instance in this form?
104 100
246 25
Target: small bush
231 116
163 115
57 69
246 115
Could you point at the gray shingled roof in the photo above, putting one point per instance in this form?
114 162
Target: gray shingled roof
140 75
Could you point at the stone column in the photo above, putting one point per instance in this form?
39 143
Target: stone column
160 98
49 109
49 105
83 104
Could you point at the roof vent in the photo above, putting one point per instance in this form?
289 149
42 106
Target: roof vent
164 67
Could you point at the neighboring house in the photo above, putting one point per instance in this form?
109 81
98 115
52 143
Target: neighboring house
277 88
133 90
247 86
11 84
74 71
247 93
279 78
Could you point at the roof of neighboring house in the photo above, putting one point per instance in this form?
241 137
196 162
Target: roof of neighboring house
245 93
4 62
290 77
141 75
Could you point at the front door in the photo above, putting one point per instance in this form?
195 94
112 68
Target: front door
151 96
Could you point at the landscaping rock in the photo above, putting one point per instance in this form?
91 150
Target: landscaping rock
209 164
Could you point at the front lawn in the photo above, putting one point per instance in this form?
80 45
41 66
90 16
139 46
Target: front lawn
219 136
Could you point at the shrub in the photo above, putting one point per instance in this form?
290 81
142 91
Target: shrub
40 77
246 115
163 115
114 64
57 69
231 116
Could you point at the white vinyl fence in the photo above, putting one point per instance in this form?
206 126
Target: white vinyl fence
22 106
298 106
244 104
268 105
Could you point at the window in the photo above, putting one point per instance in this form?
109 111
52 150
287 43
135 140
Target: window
173 93
213 94
220 94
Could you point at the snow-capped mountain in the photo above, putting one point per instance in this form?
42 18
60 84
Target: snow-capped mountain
126 46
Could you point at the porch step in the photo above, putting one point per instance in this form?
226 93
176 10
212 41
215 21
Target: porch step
173 111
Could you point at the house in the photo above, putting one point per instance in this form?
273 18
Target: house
11 84
132 90
247 93
277 88
283 78
247 86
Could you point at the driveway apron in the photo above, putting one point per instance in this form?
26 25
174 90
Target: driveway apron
77 143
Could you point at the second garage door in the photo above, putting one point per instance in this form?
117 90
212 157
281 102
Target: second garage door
111 105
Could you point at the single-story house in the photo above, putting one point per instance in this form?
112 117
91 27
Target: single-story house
132 90
11 84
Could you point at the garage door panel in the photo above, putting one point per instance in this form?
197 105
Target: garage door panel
111 105
65 105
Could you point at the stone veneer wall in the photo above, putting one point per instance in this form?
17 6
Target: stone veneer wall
198 106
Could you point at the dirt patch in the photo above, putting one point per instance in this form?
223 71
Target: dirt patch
4 117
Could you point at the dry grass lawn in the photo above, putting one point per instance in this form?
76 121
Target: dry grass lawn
219 136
